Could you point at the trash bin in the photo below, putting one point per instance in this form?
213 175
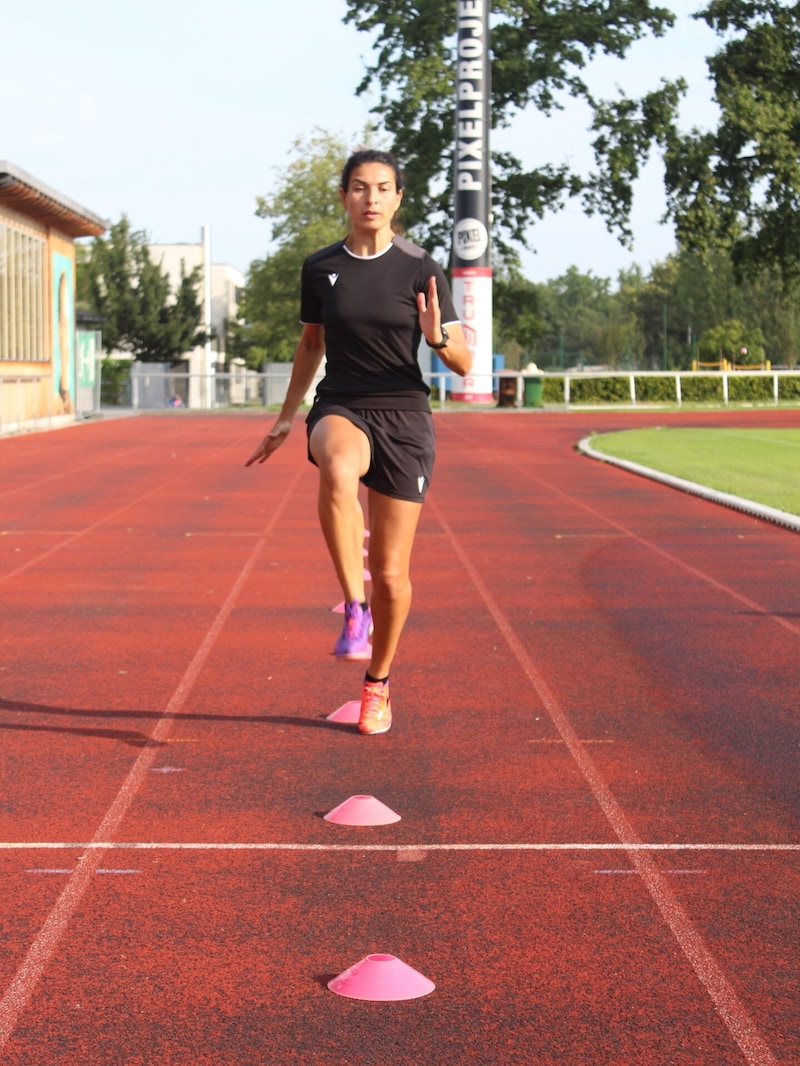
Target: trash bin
506 391
532 386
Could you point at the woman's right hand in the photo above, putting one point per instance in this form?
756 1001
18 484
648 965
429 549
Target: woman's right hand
276 436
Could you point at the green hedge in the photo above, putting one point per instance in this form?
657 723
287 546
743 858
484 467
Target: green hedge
115 382
661 389
655 390
702 390
789 389
596 389
748 389
553 390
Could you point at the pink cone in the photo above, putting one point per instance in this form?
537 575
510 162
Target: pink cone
338 609
349 713
362 810
381 978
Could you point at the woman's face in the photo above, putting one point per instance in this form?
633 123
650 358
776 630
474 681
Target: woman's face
372 197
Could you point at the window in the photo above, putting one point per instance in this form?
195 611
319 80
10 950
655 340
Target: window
22 295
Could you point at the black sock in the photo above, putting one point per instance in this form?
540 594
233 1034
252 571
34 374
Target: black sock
364 606
375 680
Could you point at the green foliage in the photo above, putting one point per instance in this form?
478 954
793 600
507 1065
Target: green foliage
737 188
596 389
733 190
553 390
627 130
655 321
732 341
659 389
580 319
702 389
306 214
518 322
117 279
750 388
115 382
789 390
743 388
539 50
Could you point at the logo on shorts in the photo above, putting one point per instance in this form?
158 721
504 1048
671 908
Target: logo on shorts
333 278
421 483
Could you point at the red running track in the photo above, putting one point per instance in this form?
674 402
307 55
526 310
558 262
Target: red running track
594 758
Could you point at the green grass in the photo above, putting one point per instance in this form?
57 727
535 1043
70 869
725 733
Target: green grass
762 465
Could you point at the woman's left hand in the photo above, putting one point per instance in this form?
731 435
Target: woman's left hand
430 315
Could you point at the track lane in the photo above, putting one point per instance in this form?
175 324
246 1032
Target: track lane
257 758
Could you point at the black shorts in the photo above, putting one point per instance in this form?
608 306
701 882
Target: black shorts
402 448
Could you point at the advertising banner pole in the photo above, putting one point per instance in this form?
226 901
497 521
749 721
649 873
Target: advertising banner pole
472 253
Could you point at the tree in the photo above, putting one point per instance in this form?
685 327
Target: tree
539 50
731 340
117 279
306 214
737 188
579 318
517 318
651 321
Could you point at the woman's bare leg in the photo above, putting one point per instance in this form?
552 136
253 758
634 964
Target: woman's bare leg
393 525
341 451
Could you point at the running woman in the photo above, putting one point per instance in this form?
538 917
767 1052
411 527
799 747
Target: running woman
366 302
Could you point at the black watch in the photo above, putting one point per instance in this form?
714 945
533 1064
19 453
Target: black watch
443 342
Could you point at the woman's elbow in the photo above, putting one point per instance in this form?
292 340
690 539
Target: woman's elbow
464 362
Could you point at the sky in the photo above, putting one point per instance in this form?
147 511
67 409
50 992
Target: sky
180 116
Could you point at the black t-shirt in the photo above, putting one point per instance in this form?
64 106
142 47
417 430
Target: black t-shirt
368 306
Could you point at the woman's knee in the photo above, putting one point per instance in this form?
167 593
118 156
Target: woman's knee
340 450
390 582
339 471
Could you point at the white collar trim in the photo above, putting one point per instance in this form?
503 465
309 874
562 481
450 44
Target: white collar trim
377 255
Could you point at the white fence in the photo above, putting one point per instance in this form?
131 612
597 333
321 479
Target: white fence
156 386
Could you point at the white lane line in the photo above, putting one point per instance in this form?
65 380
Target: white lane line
100 522
701 575
71 869
730 1008
20 990
263 845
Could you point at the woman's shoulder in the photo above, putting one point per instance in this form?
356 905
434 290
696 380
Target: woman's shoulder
422 259
407 247
324 253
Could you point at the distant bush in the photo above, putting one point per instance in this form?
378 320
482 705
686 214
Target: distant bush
789 389
115 383
750 389
702 389
596 389
553 390
656 389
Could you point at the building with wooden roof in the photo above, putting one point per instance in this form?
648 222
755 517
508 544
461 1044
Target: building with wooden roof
38 355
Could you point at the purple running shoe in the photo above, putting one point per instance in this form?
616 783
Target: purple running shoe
354 640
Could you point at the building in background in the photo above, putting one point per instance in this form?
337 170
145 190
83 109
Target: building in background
39 372
227 284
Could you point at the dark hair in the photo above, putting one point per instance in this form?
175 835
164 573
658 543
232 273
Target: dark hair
372 155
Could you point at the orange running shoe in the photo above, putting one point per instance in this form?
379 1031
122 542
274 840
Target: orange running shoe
376 708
